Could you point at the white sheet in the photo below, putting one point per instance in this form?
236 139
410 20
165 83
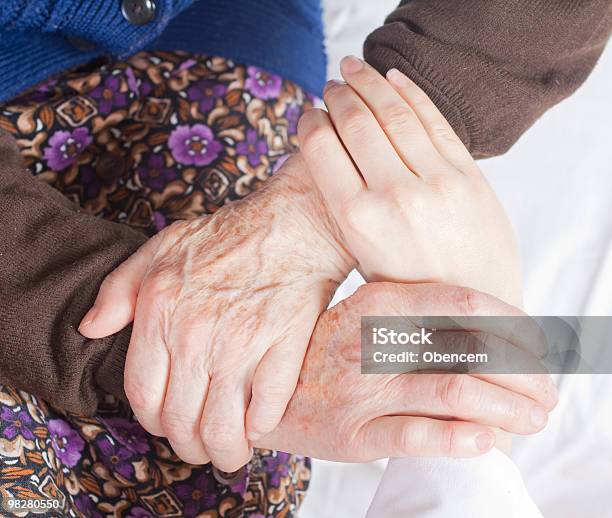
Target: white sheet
443 488
556 185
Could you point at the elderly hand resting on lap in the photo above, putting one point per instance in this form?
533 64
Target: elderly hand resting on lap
224 306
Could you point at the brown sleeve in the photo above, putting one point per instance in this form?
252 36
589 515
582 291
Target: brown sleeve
53 258
493 67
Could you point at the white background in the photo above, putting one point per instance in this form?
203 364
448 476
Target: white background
556 185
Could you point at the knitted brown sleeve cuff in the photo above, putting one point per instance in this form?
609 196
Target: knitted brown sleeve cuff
492 68
53 258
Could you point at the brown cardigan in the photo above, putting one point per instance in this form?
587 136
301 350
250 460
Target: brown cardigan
492 67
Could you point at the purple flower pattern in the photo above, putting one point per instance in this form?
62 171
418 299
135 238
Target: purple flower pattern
276 467
194 145
128 433
65 147
293 114
206 94
86 506
253 148
197 496
65 441
109 95
170 151
16 422
117 458
263 84
155 174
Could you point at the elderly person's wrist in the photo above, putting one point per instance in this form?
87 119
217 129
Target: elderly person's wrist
294 200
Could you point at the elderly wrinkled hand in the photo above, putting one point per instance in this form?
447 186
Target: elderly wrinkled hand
339 414
223 310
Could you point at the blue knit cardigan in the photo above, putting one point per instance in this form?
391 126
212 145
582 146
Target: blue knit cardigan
42 38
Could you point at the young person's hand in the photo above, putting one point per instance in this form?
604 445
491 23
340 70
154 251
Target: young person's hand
409 199
223 310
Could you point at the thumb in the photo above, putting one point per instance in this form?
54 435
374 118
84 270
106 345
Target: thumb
116 301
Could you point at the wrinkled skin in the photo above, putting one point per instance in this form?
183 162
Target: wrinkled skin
227 302
339 414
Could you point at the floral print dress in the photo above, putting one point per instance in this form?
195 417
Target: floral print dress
158 138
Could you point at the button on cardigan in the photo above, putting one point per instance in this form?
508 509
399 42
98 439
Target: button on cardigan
42 38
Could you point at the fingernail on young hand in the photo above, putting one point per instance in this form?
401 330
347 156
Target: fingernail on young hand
397 78
351 64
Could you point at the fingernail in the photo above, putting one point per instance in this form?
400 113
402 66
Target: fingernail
397 78
484 441
539 416
89 317
351 64
253 436
332 83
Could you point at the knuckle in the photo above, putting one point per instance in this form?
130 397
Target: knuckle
420 100
139 396
270 395
408 439
442 132
177 427
408 202
468 301
353 214
517 414
314 139
218 436
397 117
448 439
451 391
452 185
112 280
354 122
479 342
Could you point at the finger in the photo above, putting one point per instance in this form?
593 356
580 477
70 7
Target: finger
503 321
273 385
398 436
496 355
147 366
365 140
400 123
222 427
443 136
435 299
116 301
507 365
328 162
538 387
464 397
183 406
